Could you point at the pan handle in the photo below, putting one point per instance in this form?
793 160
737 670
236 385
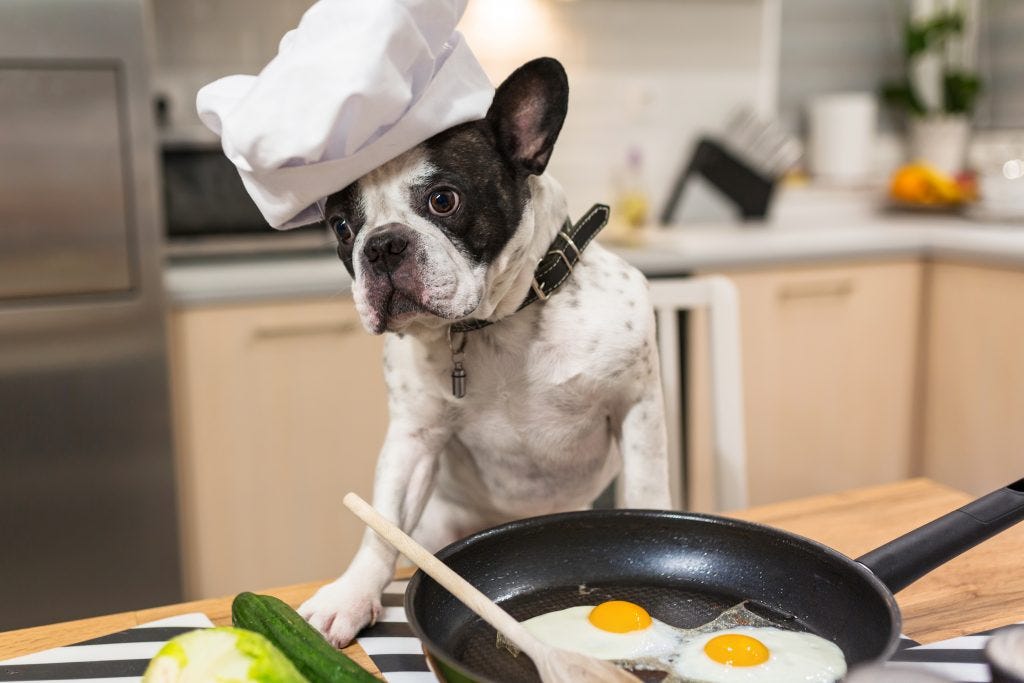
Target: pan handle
904 560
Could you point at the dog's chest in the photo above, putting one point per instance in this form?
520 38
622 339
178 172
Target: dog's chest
533 426
525 388
543 386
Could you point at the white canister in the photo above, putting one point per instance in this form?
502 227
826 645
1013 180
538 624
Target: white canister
841 137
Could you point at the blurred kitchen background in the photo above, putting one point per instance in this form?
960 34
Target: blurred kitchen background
186 394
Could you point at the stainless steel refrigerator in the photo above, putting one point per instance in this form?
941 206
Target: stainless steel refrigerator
88 520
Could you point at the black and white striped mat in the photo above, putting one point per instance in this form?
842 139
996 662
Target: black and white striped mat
118 658
957 659
390 642
122 657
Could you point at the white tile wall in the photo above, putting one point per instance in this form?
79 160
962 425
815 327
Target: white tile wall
832 45
649 73
645 73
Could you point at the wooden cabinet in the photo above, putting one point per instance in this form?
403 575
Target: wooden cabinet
974 403
830 375
279 410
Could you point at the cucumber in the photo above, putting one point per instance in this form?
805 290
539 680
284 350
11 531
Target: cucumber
309 651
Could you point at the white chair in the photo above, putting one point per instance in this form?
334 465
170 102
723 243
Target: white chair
717 295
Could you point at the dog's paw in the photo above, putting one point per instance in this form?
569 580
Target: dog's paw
340 610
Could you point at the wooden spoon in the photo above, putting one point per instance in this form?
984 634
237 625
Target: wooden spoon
555 665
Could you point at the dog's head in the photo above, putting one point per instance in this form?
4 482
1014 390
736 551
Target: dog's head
422 234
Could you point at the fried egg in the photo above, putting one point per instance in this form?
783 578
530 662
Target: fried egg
763 654
615 630
736 646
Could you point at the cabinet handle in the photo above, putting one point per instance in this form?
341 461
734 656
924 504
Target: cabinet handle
285 331
816 290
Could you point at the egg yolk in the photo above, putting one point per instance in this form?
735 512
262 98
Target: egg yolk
734 649
619 616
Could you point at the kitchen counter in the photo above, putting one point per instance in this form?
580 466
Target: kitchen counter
209 280
831 227
853 522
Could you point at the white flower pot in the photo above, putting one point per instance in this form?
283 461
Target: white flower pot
940 142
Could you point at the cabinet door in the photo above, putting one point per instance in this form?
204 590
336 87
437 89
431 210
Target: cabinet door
974 434
829 380
280 410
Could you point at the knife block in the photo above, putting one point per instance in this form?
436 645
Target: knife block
750 191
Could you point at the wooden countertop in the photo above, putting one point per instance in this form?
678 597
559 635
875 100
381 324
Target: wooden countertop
981 589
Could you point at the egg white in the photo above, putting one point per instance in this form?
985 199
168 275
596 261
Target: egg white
795 656
570 629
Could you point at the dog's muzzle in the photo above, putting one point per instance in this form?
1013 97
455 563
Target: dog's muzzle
387 248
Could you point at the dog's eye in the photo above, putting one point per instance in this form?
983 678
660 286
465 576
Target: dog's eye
443 202
342 230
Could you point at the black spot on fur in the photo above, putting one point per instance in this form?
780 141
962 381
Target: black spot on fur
492 195
488 163
346 204
488 338
629 325
535 327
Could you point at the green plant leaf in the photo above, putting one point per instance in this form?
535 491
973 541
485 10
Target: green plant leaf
915 40
961 90
901 95
927 34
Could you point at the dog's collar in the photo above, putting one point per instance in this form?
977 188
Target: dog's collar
554 269
557 264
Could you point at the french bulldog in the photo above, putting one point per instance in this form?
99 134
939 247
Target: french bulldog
562 396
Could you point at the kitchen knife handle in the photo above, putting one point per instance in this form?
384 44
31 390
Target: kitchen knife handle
904 560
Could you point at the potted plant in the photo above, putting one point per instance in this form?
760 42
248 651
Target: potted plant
940 87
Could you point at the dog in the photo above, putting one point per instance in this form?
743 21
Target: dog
562 396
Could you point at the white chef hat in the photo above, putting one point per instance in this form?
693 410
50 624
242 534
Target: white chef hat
355 85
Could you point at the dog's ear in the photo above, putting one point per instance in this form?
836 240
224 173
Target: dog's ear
527 113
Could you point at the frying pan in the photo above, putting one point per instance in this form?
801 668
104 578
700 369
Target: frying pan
685 569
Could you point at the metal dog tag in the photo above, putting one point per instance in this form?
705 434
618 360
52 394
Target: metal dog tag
458 372
458 380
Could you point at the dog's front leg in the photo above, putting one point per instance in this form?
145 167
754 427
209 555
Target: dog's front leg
642 439
404 479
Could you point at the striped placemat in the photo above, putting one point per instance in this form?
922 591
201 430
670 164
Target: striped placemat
390 642
957 659
122 657
117 658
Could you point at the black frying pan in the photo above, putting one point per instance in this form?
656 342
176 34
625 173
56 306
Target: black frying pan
685 569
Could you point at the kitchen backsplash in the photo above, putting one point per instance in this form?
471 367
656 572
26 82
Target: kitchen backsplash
834 45
643 73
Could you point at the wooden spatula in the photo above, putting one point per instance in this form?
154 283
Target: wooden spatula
555 665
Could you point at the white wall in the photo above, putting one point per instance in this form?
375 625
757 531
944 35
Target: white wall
649 73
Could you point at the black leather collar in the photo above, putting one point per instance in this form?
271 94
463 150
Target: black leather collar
556 266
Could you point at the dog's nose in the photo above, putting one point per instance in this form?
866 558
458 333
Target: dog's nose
386 249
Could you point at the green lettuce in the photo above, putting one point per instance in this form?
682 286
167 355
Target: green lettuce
221 655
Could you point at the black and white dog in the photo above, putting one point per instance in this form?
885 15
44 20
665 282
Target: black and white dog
563 395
